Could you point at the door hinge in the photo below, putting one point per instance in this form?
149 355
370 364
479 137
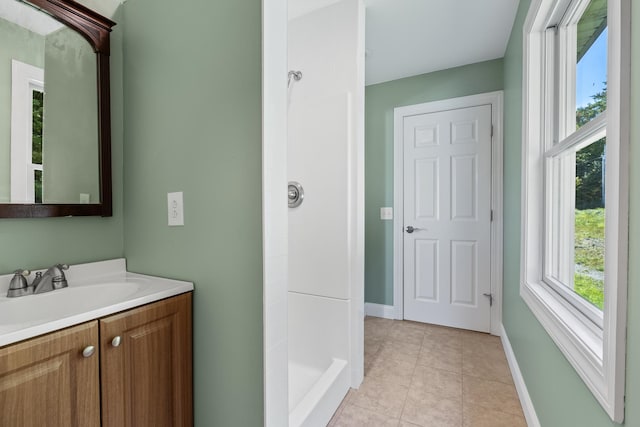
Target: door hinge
490 296
491 215
492 131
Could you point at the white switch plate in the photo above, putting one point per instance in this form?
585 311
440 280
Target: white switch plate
386 213
175 208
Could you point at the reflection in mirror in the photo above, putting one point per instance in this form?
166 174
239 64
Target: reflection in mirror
49 103
55 125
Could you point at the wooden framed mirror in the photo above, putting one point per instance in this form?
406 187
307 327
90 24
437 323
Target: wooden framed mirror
57 154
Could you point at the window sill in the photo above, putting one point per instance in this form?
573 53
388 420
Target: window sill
576 336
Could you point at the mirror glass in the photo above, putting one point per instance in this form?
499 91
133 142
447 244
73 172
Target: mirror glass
49 140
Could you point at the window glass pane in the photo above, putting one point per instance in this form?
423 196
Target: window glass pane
37 186
36 139
589 223
591 62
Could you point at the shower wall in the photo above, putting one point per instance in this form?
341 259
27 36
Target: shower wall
319 238
326 155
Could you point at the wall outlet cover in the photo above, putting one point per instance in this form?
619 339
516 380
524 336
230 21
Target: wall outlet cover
386 213
175 209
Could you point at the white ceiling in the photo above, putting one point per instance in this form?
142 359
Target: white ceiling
40 22
28 17
410 37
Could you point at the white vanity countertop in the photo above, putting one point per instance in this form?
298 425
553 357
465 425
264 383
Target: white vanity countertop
95 290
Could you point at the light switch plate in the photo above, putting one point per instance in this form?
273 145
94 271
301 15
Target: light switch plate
175 208
386 213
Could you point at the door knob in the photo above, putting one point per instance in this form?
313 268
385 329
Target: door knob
411 229
115 342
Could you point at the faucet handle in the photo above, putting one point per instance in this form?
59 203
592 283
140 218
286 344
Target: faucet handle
22 272
59 279
19 280
18 285
57 270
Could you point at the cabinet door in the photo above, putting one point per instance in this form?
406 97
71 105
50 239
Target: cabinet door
146 378
46 381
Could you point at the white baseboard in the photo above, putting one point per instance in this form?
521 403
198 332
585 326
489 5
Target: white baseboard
525 400
379 310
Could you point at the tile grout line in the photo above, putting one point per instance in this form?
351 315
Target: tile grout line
462 400
462 381
413 376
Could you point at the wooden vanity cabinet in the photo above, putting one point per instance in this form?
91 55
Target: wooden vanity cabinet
145 368
144 379
46 381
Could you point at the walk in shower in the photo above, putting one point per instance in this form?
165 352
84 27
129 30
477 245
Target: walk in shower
325 220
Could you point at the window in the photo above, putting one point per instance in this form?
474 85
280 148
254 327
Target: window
27 104
574 233
576 58
37 110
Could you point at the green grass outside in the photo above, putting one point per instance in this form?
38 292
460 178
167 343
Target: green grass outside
590 289
589 254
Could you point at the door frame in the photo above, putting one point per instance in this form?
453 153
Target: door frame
495 99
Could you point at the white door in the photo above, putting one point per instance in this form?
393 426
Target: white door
447 217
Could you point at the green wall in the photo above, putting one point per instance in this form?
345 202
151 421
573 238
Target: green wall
23 45
193 124
70 143
380 100
559 395
38 243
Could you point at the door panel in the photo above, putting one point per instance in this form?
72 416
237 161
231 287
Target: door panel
426 270
447 198
146 379
464 178
464 272
46 381
427 193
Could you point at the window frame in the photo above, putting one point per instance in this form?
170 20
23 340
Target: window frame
559 265
25 79
595 348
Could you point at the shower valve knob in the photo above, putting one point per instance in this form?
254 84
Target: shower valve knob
295 194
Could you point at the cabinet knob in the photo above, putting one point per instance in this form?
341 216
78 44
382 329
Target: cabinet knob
88 351
116 341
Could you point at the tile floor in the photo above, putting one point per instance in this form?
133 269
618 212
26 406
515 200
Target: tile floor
430 376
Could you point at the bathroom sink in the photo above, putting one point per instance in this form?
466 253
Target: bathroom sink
95 290
57 304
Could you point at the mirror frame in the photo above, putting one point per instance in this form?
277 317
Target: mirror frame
95 29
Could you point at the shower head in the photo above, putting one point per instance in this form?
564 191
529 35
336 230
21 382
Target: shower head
297 75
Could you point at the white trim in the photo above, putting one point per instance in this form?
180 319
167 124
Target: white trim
379 310
274 213
495 99
617 218
521 387
357 227
597 355
398 216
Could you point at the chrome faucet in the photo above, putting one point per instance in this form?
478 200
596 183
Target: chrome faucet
50 280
